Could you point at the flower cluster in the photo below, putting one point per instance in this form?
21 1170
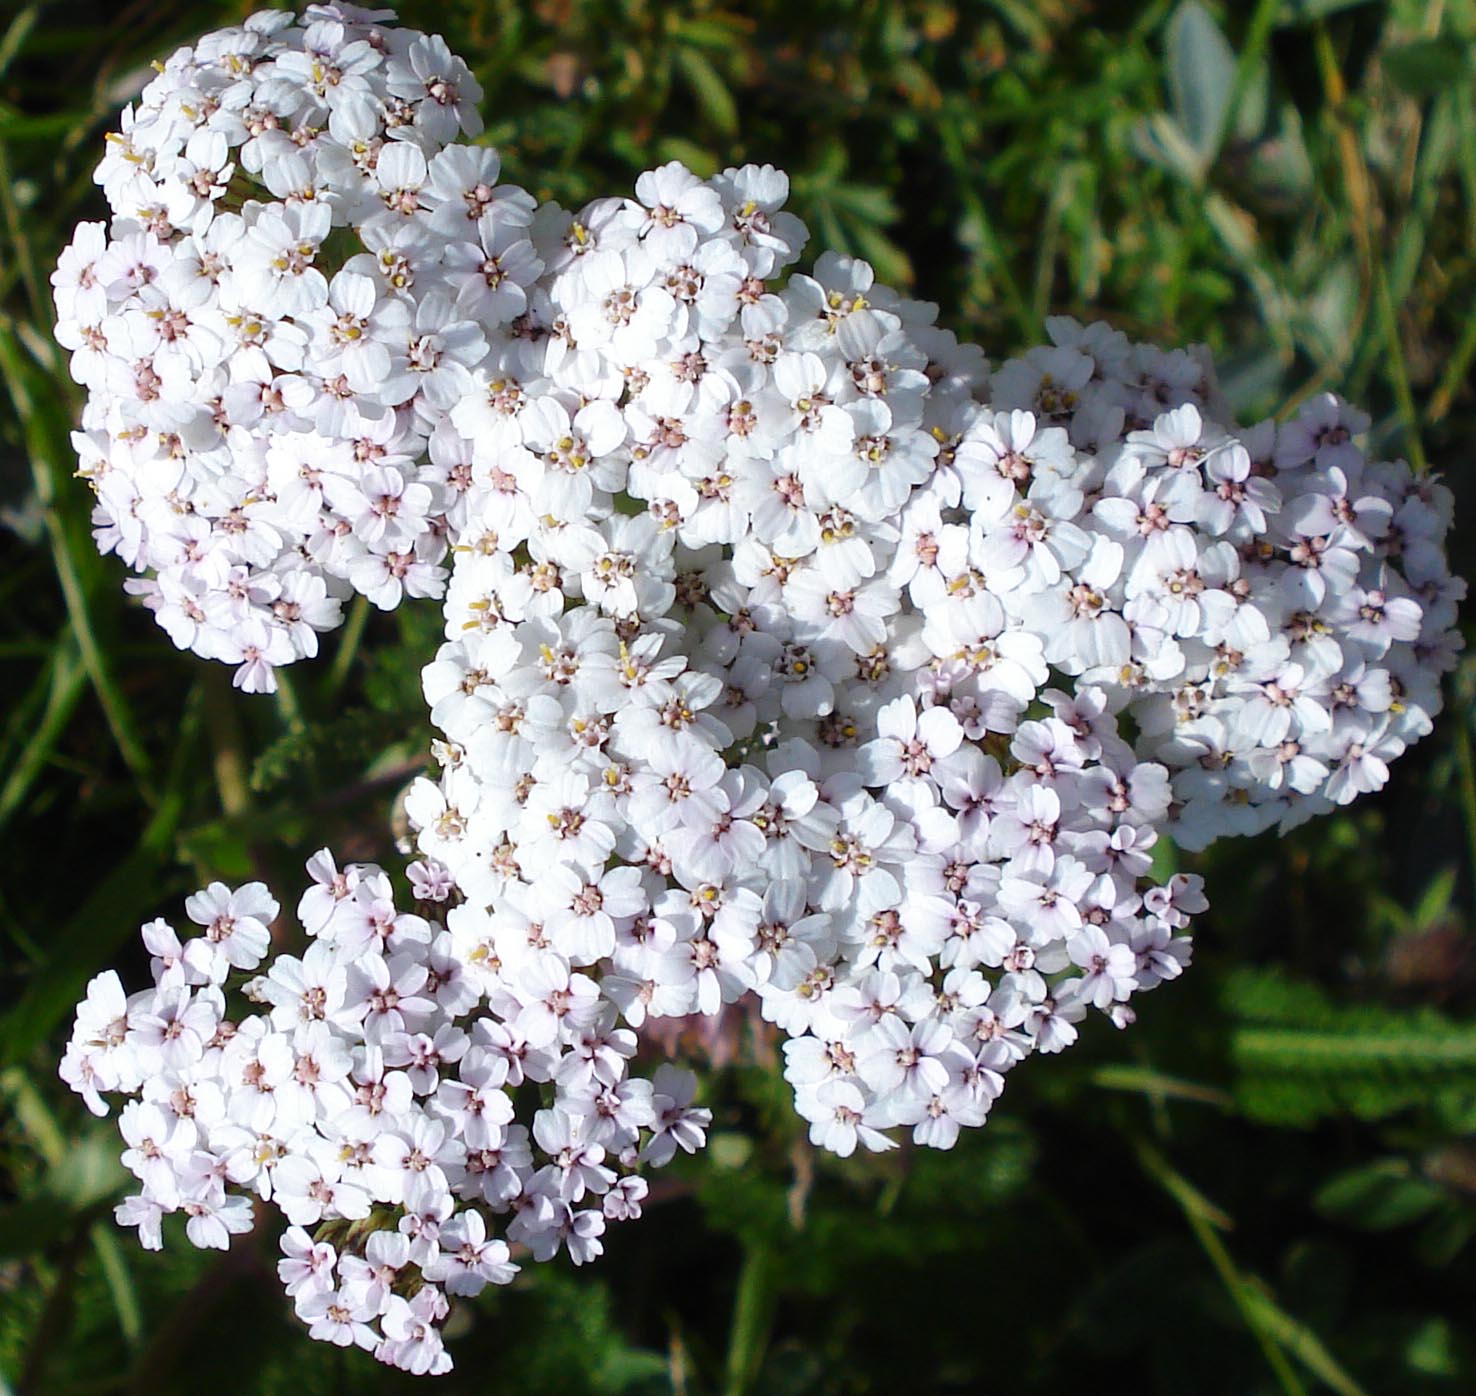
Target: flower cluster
1268 611
790 652
735 702
299 276
370 1091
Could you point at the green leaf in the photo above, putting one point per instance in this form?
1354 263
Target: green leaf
729 1149
1253 381
1160 139
1306 11
17 33
89 1172
1201 74
1300 1056
887 259
1427 66
1433 1349
1281 164
626 1368
1237 229
1331 305
1434 905
709 88
1255 103
717 34
336 749
867 202
701 161
1378 1196
1445 1234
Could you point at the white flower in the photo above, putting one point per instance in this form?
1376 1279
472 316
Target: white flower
840 1119
468 1261
909 745
236 923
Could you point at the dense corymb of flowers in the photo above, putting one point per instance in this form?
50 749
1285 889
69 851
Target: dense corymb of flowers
861 679
371 1091
1266 611
791 652
741 655
299 275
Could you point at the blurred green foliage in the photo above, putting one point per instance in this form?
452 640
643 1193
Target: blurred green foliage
1269 1184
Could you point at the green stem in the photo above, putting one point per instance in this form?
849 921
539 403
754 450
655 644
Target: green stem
1366 223
120 1284
43 472
1199 1212
25 260
1219 1257
1456 369
1277 1332
753 1316
1397 369
64 680
1160 1087
1467 765
17 34
225 739
1466 156
289 708
348 649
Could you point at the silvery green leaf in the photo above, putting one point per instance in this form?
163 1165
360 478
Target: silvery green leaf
1201 73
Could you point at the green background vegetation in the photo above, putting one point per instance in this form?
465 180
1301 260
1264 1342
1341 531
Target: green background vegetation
1269 1185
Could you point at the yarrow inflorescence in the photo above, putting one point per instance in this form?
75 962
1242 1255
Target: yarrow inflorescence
790 652
298 280
369 1091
